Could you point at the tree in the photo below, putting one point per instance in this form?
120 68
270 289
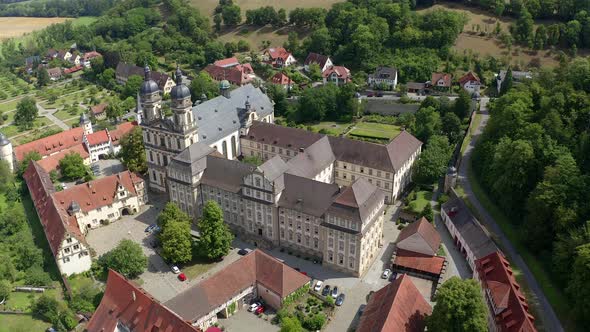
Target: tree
45 308
231 15
35 276
523 30
564 252
315 72
5 289
216 237
462 104
315 322
203 84
42 77
132 152
177 243
26 113
451 126
428 123
279 96
459 307
114 110
12 219
427 212
291 324
433 160
507 82
217 20
172 213
132 86
72 166
6 176
126 258
578 286
541 37
33 155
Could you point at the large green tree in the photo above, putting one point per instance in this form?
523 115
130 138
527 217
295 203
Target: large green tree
26 113
131 86
132 152
231 15
126 258
42 77
203 84
6 176
177 243
459 307
578 286
433 160
172 213
462 104
428 123
5 289
72 167
451 126
215 240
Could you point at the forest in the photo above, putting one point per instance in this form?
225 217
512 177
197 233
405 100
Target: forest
534 160
55 8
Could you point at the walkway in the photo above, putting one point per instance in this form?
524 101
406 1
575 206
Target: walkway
547 315
49 114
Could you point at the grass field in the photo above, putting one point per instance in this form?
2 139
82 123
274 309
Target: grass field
195 269
375 130
422 198
85 20
331 128
207 6
18 26
12 86
21 323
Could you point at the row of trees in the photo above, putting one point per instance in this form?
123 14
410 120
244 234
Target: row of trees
573 33
57 8
533 159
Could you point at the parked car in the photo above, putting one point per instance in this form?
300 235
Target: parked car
386 274
379 94
334 292
175 269
318 286
182 277
370 94
243 252
326 290
393 276
260 310
304 273
254 306
340 299
150 228
156 229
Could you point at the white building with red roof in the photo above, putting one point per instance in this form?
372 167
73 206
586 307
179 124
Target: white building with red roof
338 75
278 57
87 58
470 82
105 142
282 79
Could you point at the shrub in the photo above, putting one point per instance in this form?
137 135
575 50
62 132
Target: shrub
35 276
315 322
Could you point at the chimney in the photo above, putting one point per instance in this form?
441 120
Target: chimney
133 296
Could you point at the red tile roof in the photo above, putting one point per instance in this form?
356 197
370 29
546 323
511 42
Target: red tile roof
73 69
280 78
316 58
231 74
99 137
342 72
122 130
96 193
417 261
424 229
256 267
98 109
277 53
91 55
498 278
127 304
51 163
470 76
56 223
397 307
447 78
51 144
229 62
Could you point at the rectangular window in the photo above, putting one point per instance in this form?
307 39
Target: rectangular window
370 171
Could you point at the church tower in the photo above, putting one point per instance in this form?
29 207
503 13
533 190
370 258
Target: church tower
151 101
184 121
86 124
6 151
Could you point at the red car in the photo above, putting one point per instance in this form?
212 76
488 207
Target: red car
260 310
182 277
304 273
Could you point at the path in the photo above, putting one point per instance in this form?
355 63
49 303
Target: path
50 116
547 315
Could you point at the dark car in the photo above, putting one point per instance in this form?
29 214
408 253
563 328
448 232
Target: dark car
326 290
370 94
335 292
379 94
150 228
340 299
243 252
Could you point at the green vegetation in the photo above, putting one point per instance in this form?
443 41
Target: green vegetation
126 258
175 235
21 323
132 152
418 200
215 240
379 131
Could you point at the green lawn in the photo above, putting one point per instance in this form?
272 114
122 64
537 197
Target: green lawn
331 128
422 198
84 20
65 115
196 268
375 130
21 323
538 267
8 106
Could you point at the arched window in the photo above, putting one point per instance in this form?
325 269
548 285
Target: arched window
233 147
224 148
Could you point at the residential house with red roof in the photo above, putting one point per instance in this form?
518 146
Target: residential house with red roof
397 307
282 79
125 70
338 75
229 62
255 275
88 57
50 145
470 82
417 246
441 80
99 111
127 307
105 142
278 57
323 61
507 305
65 239
54 73
237 75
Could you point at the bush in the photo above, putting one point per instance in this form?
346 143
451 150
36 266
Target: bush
35 276
315 322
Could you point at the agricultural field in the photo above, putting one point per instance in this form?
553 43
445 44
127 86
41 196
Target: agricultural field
17 26
374 131
12 86
21 323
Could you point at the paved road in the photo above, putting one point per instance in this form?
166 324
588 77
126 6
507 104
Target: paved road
49 114
548 316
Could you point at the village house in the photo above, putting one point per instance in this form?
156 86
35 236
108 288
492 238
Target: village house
256 275
508 309
237 75
323 61
517 77
278 57
99 111
471 239
383 76
127 307
399 306
75 58
441 81
54 73
283 80
103 143
125 70
63 55
470 83
88 57
338 75
67 215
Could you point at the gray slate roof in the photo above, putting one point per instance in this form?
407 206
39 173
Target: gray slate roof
306 195
476 238
225 174
384 73
273 170
357 201
285 137
193 156
313 160
220 116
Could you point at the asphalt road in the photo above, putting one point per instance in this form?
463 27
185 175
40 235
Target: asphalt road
547 316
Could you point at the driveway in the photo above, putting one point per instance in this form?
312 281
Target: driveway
107 167
548 316
244 321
